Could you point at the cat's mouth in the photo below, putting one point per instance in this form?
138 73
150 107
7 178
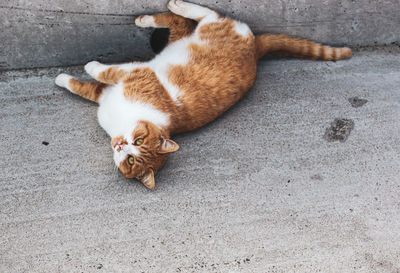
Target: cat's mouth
119 147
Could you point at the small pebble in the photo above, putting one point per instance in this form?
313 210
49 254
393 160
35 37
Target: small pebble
357 102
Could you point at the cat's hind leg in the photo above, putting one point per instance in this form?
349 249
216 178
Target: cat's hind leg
192 11
179 26
88 90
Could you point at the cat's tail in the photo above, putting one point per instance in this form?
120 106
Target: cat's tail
298 47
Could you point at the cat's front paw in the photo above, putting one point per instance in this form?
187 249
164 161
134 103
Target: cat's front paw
189 10
145 21
63 80
177 6
94 68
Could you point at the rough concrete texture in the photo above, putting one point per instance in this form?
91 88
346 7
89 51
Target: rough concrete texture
258 190
41 33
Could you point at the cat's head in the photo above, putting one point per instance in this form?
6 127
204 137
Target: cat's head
142 152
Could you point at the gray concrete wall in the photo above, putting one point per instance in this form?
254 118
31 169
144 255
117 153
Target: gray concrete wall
41 33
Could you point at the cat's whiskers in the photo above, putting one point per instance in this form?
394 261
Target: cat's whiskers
115 171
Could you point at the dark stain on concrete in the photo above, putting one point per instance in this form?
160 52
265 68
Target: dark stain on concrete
316 177
340 130
357 102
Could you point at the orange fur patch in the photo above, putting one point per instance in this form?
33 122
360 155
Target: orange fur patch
112 75
142 84
89 90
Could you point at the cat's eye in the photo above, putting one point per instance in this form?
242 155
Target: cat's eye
131 160
138 142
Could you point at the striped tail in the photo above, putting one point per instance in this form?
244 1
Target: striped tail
298 47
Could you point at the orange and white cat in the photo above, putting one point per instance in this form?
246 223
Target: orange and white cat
203 71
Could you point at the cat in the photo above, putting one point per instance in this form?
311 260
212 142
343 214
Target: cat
203 71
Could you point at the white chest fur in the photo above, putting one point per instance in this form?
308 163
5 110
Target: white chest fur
119 116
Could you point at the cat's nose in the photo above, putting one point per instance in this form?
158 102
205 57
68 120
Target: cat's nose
118 142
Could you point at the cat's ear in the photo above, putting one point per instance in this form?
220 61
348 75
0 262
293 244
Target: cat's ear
148 179
168 146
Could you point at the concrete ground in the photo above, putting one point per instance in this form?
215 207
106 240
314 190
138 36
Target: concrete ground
259 190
